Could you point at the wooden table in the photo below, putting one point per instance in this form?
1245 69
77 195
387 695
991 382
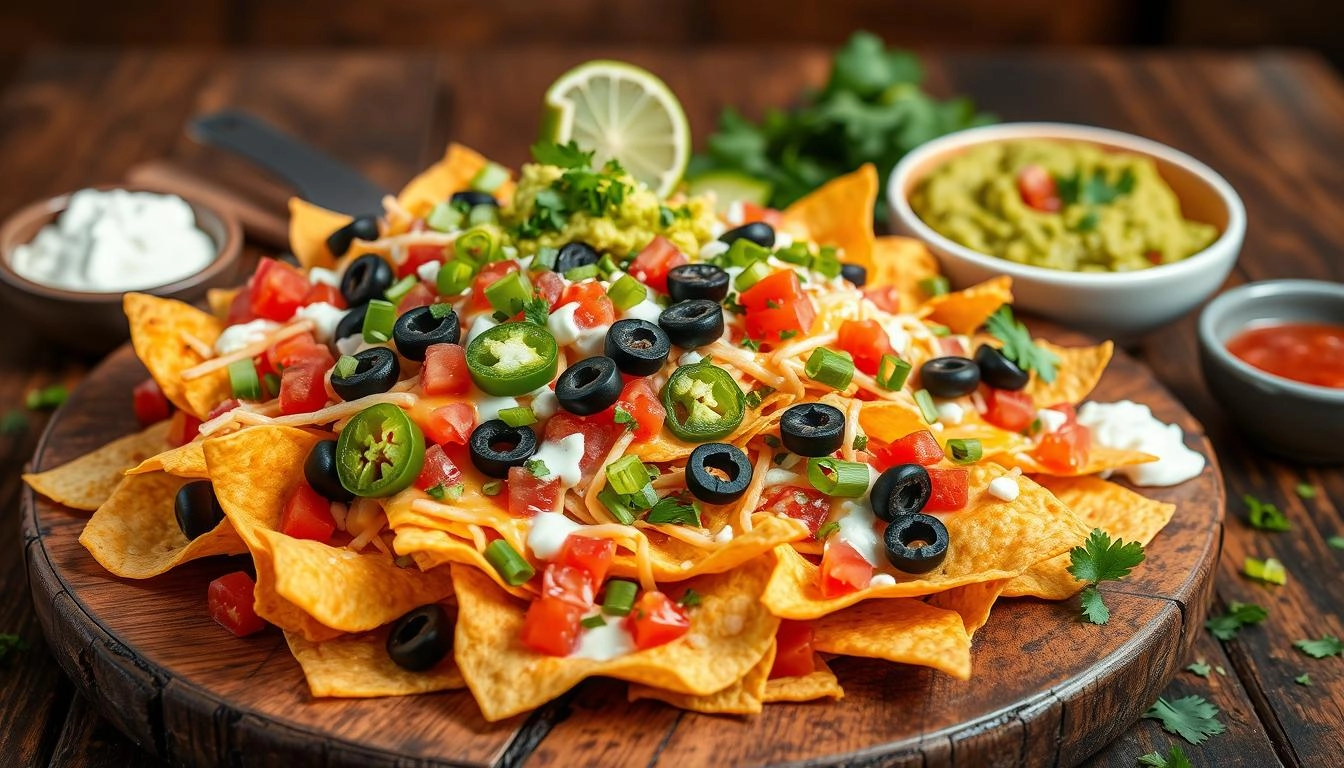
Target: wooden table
1272 123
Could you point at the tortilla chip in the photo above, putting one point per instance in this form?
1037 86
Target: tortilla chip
973 601
220 300
184 461
1120 512
966 310
889 420
433 548
135 535
839 213
1099 459
730 632
901 262
452 174
904 631
358 667
1079 370
306 586
671 556
990 539
309 227
820 684
741 698
88 481
157 330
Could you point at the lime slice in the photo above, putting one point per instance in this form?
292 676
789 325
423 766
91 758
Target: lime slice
621 112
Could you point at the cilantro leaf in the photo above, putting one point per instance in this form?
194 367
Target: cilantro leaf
1088 222
14 423
1192 718
671 510
437 491
1306 491
537 311
1238 615
623 417
1018 346
538 468
690 598
860 442
1175 758
1335 542
1100 559
567 155
1094 608
1303 679
1199 667
1326 646
1264 516
10 644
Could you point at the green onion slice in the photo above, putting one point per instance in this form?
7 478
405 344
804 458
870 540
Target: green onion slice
754 273
892 372
454 277
926 407
483 214
492 487
479 244
593 622
834 477
619 597
617 506
244 380
834 369
796 253
511 566
627 475
934 286
546 256
346 366
521 416
827 263
607 265
626 292
399 289
443 218
509 293
378 321
581 273
744 252
490 178
643 499
965 450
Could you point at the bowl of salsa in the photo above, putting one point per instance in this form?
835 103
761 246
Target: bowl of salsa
1272 353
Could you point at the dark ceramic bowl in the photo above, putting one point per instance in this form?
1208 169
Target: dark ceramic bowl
1300 421
92 322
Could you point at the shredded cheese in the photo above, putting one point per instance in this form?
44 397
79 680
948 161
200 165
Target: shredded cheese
206 351
251 350
329 414
753 495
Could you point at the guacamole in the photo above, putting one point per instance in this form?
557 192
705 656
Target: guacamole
606 208
1060 205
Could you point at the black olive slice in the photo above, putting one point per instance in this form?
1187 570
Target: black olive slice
854 273
718 473
639 347
574 255
421 638
419 329
692 324
352 324
916 543
495 447
697 281
319 469
367 277
376 372
900 491
757 232
950 376
589 386
812 429
196 508
998 371
472 198
363 228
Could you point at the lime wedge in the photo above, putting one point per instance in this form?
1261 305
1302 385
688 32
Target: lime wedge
624 113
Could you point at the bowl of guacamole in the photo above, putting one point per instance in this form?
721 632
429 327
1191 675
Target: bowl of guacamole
1106 231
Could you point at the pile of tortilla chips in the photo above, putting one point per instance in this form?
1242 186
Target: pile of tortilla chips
334 603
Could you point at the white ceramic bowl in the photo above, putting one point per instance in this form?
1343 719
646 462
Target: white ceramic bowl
1119 305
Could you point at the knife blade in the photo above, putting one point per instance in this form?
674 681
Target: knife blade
317 177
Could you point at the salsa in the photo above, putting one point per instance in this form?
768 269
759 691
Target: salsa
1312 353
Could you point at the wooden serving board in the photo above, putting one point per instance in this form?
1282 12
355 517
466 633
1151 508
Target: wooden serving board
1046 689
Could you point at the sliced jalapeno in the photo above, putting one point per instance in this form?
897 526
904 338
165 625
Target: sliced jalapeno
513 359
703 403
380 451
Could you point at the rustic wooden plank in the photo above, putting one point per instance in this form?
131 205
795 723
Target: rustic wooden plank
88 741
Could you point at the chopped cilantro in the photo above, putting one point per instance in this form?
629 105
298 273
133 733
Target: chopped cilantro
454 492
1096 189
10 644
1264 516
786 335
437 491
1335 542
623 417
860 442
492 488
1303 679
1306 491
1088 222
1175 758
538 468
1327 646
593 622
671 510
750 343
567 155
1238 615
46 398
1100 559
14 423
537 310
1269 570
731 304
1018 346
1199 667
1193 718
826 531
690 598
439 310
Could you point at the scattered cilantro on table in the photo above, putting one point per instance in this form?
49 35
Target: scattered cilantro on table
1326 646
871 110
1264 516
1100 559
1303 679
1193 718
1335 542
1175 758
1199 667
1238 615
1018 346
10 644
46 398
1306 491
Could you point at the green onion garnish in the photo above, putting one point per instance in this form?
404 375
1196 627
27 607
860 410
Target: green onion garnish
892 373
938 329
934 286
834 477
346 366
644 498
271 383
627 292
546 256
378 321
796 253
581 273
834 369
479 244
483 214
964 450
454 277
627 475
243 379
754 273
490 178
437 491
443 218
511 565
743 253
521 416
438 311
593 622
46 398
827 263
926 407
492 487
607 265
509 293
399 289
619 597
616 506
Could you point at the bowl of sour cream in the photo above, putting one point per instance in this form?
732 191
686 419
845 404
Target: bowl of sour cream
67 261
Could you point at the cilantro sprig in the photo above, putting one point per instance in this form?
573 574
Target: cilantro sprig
1264 516
1175 758
1193 718
1325 647
580 189
1238 615
1100 559
1018 346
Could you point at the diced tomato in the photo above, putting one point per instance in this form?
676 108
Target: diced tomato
793 650
445 370
1014 411
416 255
598 435
653 263
808 505
419 296
640 401
568 583
753 212
777 306
307 515
915 448
183 428
484 279
550 286
885 298
656 620
950 490
277 290
438 470
231 604
326 294
552 626
150 404
1066 449
592 555
1038 189
866 341
529 494
240 309
451 423
302 386
594 309
843 569
287 352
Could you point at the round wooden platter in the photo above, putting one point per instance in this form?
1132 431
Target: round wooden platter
1046 690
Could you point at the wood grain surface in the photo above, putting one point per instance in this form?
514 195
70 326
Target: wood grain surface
1271 123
